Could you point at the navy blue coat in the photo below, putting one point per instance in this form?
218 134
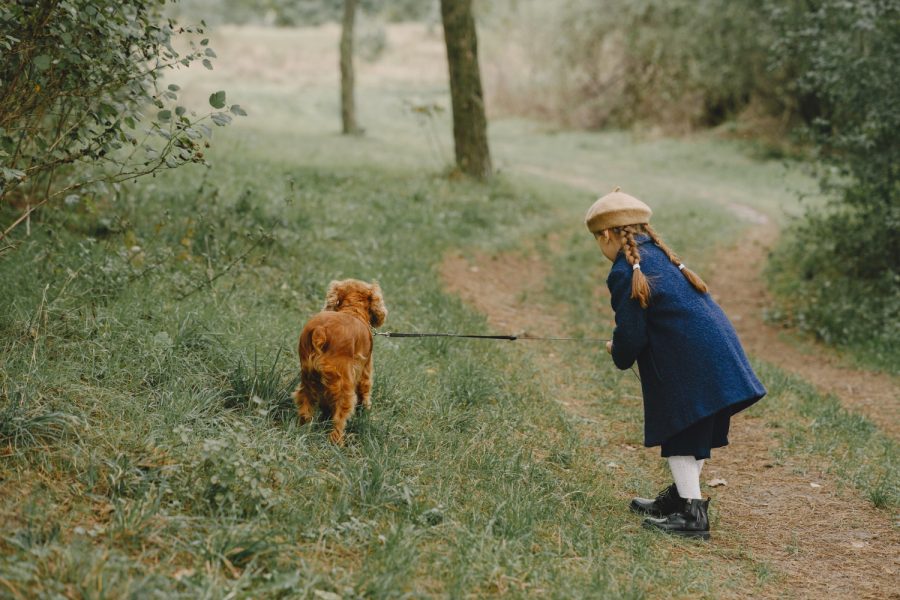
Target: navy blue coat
691 362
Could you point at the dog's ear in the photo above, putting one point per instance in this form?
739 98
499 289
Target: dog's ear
334 297
377 310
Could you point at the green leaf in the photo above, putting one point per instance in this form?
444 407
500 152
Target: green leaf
209 52
10 174
204 41
221 119
236 109
207 64
217 100
42 62
174 87
180 110
164 115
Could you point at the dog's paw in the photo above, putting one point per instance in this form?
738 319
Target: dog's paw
337 437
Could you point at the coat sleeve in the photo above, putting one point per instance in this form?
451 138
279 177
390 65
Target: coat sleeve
630 334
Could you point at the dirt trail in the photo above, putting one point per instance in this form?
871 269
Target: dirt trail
821 540
831 543
737 284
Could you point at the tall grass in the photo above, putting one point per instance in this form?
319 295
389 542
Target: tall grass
181 469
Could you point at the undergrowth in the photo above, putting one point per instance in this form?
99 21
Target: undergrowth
148 441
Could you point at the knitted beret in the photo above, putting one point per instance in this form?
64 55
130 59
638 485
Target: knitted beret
615 210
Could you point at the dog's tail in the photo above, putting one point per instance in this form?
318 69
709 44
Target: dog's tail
319 338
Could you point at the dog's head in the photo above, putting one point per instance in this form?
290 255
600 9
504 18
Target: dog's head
353 295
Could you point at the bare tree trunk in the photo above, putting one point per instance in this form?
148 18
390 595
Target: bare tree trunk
473 156
348 103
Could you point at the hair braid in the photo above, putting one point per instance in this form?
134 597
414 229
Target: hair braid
692 277
640 287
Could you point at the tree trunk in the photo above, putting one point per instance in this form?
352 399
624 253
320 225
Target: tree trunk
348 103
473 156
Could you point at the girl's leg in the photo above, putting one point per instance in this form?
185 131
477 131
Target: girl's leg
686 451
686 472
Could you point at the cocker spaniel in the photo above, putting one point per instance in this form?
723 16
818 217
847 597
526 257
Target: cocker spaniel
336 354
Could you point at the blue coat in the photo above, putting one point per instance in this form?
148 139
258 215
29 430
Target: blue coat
691 362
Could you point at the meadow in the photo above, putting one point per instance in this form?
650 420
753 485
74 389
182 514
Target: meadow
148 446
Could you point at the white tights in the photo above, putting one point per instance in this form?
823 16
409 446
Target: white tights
686 472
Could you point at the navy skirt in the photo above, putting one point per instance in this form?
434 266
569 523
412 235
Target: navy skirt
701 437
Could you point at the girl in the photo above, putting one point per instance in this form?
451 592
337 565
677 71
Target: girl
694 373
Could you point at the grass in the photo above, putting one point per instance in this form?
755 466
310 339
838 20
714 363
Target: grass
178 475
147 352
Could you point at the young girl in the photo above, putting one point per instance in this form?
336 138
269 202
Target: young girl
694 373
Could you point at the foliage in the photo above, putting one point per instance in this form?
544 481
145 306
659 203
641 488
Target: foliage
679 64
838 268
82 100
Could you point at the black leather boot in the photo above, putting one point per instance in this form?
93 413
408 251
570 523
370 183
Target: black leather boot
692 520
666 502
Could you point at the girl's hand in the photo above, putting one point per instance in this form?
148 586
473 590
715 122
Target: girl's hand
609 347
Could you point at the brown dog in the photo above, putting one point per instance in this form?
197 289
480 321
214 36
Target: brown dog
336 353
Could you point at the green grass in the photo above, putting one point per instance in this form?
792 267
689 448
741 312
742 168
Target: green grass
817 428
147 443
147 438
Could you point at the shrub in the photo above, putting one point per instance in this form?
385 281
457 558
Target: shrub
681 64
82 102
839 264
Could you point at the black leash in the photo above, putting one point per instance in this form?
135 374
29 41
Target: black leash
511 338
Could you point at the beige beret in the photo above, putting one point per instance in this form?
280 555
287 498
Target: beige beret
615 210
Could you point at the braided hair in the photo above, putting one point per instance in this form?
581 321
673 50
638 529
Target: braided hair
640 286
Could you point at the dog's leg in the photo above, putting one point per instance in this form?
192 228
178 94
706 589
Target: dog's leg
304 404
364 387
344 404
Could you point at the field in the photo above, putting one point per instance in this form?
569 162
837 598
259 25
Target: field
148 446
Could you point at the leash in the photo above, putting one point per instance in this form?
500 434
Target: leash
510 338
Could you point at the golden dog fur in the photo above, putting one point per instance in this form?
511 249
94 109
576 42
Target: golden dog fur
336 353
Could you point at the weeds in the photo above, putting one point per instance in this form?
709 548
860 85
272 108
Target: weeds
24 423
264 387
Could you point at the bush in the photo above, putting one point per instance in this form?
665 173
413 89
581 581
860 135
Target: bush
82 102
681 64
839 264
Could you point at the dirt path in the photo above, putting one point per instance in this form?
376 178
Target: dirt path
821 541
737 284
833 544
